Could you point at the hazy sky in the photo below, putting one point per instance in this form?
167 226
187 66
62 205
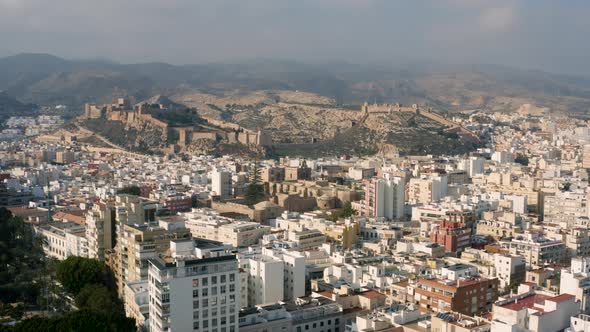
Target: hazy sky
546 34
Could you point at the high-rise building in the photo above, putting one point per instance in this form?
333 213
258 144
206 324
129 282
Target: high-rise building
384 197
100 229
503 157
264 276
473 166
193 290
426 190
221 184
586 156
136 244
64 157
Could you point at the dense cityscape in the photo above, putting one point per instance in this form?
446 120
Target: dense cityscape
493 240
294 166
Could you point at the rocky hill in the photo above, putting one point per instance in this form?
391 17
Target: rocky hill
317 125
306 108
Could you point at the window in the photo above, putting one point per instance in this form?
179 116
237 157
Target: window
205 303
196 325
214 322
222 311
214 301
205 324
213 290
232 319
195 282
196 314
222 300
223 320
223 277
205 281
232 277
205 313
232 298
214 280
232 287
222 289
195 293
205 292
213 311
196 304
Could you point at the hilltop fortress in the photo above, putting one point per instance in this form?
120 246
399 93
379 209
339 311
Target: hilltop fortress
388 108
144 113
368 109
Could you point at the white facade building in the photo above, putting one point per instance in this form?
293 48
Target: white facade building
193 292
576 281
221 184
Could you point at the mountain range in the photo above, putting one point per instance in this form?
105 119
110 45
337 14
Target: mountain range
48 80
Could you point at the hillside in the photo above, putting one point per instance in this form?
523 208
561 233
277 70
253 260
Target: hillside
42 79
9 106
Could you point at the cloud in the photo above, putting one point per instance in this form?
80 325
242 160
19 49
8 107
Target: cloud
500 19
188 31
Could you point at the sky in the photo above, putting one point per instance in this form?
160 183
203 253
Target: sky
549 35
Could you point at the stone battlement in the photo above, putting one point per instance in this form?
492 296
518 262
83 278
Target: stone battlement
388 108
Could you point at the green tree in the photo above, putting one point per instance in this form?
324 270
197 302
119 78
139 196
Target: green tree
21 260
75 273
521 159
76 321
97 298
255 190
130 190
347 210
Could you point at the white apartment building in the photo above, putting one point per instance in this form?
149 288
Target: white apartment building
208 224
62 240
307 314
579 323
137 300
503 157
385 197
306 238
473 166
535 249
535 312
565 207
193 292
221 184
100 227
424 190
510 269
265 277
577 242
576 281
294 270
